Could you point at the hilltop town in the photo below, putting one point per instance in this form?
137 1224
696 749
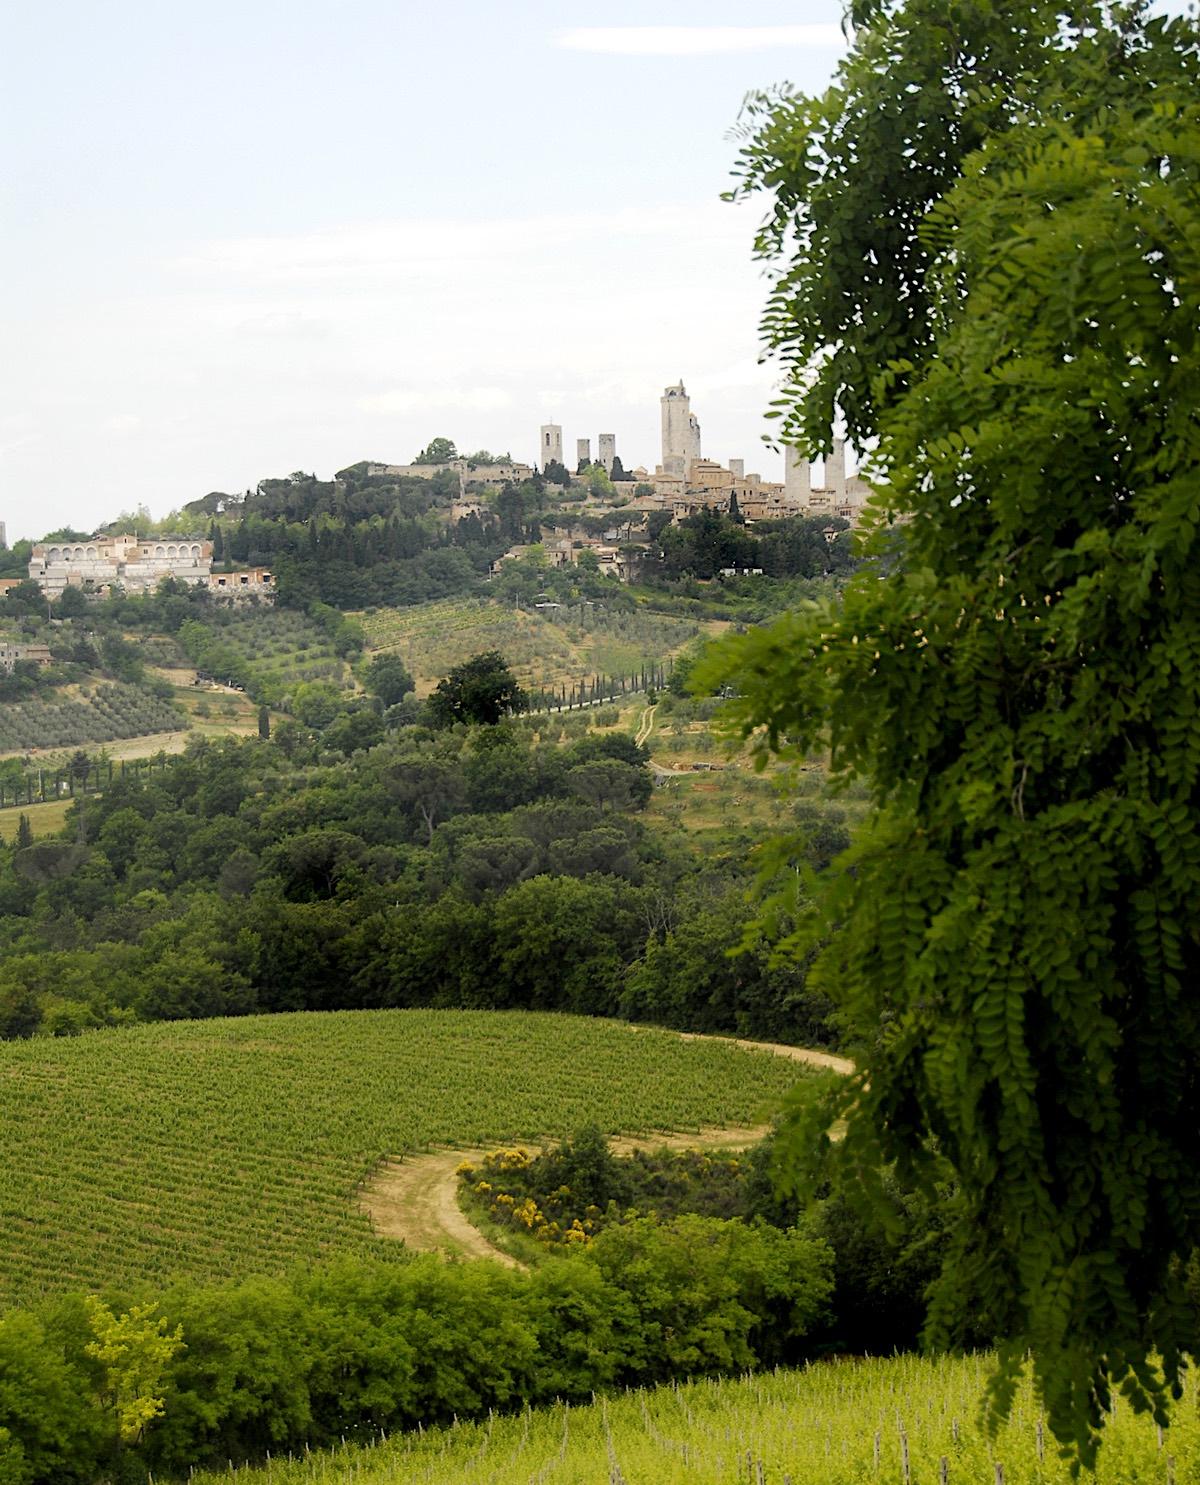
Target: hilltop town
635 501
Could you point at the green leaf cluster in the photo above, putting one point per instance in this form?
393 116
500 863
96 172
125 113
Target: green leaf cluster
1014 938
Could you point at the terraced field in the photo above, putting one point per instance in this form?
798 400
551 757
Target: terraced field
266 650
841 1423
546 648
217 1148
89 714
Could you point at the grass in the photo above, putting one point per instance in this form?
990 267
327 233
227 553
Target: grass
44 819
849 1422
219 1148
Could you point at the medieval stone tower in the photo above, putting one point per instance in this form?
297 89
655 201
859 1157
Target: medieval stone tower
835 470
607 450
583 452
797 478
680 431
550 444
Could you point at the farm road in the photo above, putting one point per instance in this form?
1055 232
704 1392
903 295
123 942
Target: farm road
646 725
417 1200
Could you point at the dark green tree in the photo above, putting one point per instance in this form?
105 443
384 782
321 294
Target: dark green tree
480 690
1014 937
437 451
264 723
387 676
72 604
851 172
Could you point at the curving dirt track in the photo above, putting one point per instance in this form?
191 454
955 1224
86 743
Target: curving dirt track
417 1200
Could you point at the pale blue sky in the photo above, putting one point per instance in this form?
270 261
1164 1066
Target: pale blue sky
241 239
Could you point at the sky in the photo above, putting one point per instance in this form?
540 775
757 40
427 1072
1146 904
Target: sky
243 239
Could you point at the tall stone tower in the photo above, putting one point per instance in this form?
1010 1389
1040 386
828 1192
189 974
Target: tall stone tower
680 431
583 451
607 450
797 479
550 445
835 471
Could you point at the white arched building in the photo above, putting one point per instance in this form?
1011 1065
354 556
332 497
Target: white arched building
136 564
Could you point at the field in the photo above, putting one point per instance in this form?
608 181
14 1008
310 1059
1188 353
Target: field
98 713
218 1148
44 819
838 1423
546 648
267 650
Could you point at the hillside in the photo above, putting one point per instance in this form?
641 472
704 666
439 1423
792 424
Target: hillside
227 1147
558 645
841 1423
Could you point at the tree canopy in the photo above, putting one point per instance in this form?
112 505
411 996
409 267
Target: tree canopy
1013 938
852 172
481 690
438 451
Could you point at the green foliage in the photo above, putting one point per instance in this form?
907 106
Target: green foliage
347 1349
388 678
712 1295
437 451
133 1351
1015 936
481 691
566 1195
48 1430
851 173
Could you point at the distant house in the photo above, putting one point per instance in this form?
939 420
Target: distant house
253 582
32 654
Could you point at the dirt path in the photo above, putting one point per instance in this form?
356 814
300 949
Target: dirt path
417 1200
646 725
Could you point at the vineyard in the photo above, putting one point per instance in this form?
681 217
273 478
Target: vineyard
266 650
901 1421
96 714
546 648
217 1148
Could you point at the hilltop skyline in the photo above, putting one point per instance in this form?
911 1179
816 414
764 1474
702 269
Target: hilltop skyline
240 249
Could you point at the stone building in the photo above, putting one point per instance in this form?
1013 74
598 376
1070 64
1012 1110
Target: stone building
33 654
251 582
839 496
136 564
467 474
680 431
550 445
607 451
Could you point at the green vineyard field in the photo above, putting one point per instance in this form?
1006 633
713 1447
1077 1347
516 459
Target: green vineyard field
838 1423
545 648
219 1148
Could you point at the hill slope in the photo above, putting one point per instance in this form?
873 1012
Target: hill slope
843 1423
219 1148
